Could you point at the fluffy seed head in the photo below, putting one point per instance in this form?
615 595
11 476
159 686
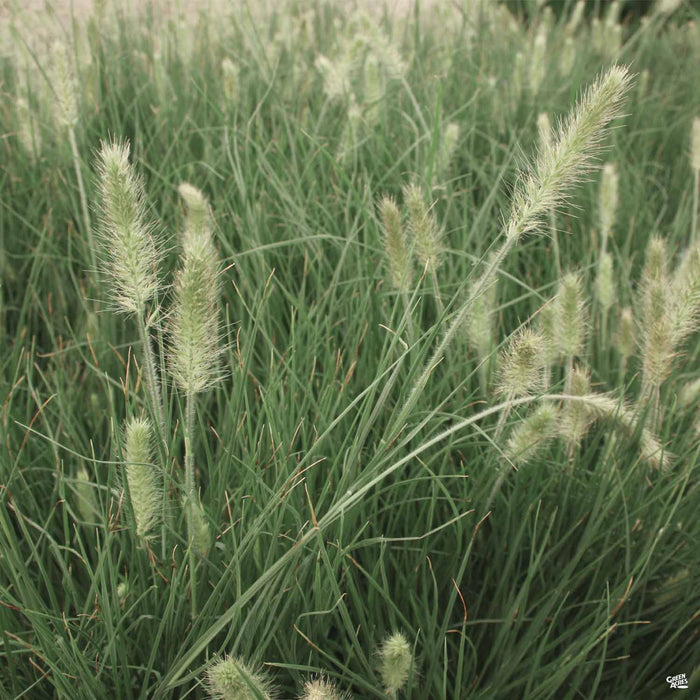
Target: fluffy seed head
695 145
480 324
321 689
521 364
571 316
198 218
395 244
689 393
140 475
27 130
547 327
572 153
131 254
576 16
609 186
567 59
201 532
63 83
576 419
195 349
422 228
625 340
373 89
395 662
532 434
446 149
538 59
232 679
85 490
605 407
605 282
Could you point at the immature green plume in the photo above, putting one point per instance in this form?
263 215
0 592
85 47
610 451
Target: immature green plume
605 281
422 228
64 85
195 349
532 434
322 689
576 419
571 154
609 188
571 316
131 251
395 244
141 476
625 339
521 364
233 679
395 663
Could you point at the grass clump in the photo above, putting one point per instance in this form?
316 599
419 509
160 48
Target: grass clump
364 343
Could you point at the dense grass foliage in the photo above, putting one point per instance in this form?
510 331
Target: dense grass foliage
281 457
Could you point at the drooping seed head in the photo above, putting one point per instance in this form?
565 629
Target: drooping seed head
130 251
141 477
532 434
422 228
605 282
521 364
571 316
396 246
395 662
573 151
232 679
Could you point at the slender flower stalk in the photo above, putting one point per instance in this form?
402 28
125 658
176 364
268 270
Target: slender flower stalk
541 188
195 348
131 256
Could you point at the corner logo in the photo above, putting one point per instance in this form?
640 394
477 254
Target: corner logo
679 681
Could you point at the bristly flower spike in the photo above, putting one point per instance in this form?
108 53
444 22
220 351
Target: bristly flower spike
141 479
395 244
232 679
131 251
422 228
194 325
395 663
